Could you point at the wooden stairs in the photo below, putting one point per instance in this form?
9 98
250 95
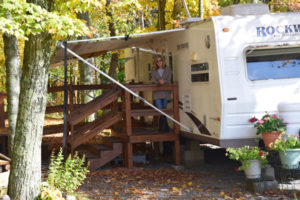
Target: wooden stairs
96 154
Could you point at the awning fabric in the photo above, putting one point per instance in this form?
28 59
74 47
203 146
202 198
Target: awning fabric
92 48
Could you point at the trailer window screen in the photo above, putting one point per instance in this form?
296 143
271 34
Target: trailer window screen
280 63
200 77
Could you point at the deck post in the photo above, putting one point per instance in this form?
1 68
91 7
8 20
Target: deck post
176 126
128 130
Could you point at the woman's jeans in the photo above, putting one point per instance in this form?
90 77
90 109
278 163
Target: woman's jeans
163 123
161 103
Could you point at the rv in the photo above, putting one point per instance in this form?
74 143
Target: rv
230 68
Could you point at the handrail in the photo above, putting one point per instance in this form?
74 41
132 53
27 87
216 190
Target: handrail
93 106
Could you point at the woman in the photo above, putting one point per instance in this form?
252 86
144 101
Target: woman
161 74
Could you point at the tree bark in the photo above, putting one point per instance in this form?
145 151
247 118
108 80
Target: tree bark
115 55
13 75
86 72
177 9
161 15
25 174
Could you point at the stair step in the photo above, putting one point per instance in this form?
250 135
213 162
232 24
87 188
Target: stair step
106 156
100 102
106 122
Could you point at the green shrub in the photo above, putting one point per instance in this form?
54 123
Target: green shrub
66 176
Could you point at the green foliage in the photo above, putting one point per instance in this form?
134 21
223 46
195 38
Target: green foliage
246 153
21 19
66 176
268 123
285 142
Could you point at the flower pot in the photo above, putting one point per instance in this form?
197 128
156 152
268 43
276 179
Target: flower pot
254 170
270 137
290 158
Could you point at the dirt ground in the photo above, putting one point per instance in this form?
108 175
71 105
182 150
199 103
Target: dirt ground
215 178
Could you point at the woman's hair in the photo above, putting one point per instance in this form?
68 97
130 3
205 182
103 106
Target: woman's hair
156 59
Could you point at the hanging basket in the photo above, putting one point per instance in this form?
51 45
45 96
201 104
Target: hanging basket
270 137
254 170
290 158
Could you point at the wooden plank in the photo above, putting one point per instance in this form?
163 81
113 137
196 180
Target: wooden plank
92 87
92 125
58 128
100 102
106 156
2 156
149 112
152 138
4 162
149 87
82 138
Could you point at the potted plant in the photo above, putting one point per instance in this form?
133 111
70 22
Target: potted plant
288 147
270 127
252 159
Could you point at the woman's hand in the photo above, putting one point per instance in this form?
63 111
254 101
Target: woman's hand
161 81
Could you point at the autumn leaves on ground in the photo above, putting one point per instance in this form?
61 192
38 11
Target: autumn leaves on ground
164 182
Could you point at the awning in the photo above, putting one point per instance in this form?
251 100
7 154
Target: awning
94 47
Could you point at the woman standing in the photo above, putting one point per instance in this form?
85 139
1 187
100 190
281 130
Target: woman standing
161 74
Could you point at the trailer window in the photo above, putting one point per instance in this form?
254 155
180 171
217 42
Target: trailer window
278 63
199 72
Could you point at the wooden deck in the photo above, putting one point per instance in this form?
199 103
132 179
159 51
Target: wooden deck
120 114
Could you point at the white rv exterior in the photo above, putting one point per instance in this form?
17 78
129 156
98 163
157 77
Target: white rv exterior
231 68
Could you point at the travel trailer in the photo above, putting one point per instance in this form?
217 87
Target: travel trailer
229 68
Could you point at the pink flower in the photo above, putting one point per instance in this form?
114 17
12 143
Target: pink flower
260 121
267 119
296 136
253 119
275 117
286 123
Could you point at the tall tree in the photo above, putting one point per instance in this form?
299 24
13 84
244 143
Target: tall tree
86 72
25 175
13 75
112 30
161 15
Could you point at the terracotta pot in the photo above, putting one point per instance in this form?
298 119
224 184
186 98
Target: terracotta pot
270 137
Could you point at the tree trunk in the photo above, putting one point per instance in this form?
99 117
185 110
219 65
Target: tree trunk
13 75
161 15
25 175
86 72
115 55
177 9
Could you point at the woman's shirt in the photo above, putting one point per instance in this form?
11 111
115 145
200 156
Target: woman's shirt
166 75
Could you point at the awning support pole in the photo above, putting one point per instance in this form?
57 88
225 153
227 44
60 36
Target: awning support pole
128 90
65 94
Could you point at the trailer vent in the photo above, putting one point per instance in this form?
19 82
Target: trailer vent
182 46
246 9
